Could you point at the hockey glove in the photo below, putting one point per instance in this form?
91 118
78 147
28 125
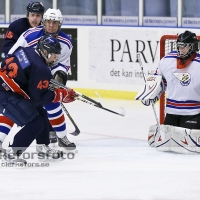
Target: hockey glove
63 95
60 76
152 91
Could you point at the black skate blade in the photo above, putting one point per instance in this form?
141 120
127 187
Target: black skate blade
75 133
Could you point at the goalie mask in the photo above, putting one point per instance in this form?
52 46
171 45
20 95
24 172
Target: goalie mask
48 45
187 45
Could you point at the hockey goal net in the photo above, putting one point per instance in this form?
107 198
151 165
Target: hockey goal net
167 44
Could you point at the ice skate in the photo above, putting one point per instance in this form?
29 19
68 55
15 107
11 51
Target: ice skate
46 153
10 159
66 144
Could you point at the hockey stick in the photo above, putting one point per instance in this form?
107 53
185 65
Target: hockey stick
77 131
92 104
83 96
86 99
153 105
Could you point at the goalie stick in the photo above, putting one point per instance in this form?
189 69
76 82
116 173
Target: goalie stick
154 110
77 131
86 99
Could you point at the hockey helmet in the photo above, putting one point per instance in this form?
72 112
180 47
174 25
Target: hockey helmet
35 7
187 44
48 44
54 15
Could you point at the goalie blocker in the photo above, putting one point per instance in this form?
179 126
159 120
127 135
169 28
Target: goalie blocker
177 139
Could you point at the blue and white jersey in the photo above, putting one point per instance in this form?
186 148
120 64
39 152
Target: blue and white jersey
30 38
183 85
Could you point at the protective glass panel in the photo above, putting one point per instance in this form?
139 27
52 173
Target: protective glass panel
18 7
2 7
77 7
190 8
120 7
163 8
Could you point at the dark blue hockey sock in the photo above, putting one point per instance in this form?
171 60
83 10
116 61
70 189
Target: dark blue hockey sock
43 137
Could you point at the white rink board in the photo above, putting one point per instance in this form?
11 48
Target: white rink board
99 69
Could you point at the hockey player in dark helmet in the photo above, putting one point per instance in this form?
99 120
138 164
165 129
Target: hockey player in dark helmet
187 45
28 93
52 21
34 15
49 48
35 11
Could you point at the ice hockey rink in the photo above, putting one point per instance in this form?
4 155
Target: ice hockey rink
113 162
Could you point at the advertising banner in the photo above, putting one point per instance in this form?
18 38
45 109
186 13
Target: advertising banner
160 21
190 22
120 20
113 53
80 19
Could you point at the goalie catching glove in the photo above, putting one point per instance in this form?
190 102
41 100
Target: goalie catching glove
152 91
64 95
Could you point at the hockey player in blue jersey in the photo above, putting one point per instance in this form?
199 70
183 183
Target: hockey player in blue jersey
24 89
34 15
52 21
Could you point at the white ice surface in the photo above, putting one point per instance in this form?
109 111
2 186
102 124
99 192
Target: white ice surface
113 162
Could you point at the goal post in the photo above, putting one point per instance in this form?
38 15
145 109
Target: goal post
167 44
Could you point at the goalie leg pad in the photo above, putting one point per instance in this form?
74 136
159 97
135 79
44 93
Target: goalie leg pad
195 138
185 140
151 135
176 139
163 144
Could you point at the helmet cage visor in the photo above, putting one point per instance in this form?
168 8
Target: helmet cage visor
185 50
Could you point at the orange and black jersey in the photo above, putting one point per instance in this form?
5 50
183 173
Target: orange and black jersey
24 72
14 31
